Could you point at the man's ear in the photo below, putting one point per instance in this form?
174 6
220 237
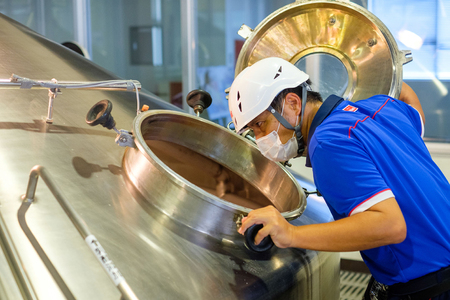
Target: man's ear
294 102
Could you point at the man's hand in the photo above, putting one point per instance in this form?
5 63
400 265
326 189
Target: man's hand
380 225
274 224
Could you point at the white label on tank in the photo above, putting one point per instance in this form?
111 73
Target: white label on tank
107 264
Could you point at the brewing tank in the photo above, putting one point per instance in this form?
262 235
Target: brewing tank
164 209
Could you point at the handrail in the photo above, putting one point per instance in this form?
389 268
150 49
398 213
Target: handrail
23 224
39 171
15 264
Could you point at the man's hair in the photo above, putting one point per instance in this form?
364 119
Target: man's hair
312 97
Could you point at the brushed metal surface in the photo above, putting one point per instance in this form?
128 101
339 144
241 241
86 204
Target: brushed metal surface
159 258
28 199
339 28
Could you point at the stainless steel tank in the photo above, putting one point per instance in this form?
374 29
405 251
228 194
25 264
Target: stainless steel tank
176 251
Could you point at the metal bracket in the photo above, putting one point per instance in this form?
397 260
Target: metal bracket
245 31
238 220
52 93
406 56
286 164
309 193
124 138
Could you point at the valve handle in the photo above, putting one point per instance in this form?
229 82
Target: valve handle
250 234
199 100
100 113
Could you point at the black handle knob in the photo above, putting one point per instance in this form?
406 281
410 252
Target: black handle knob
250 235
100 113
199 100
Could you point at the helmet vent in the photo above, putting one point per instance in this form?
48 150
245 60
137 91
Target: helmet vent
238 96
278 73
240 106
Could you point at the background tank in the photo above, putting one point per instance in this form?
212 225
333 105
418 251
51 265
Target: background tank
159 257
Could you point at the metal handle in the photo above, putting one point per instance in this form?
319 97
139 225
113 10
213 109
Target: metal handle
113 272
16 265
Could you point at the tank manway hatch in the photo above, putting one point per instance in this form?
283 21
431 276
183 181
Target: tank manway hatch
345 49
203 176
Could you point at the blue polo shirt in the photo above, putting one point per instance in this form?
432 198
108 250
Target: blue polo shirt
371 150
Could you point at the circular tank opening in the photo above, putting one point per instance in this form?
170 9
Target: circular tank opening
217 161
203 176
326 72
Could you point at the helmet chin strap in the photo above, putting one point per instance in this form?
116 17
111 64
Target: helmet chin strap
297 128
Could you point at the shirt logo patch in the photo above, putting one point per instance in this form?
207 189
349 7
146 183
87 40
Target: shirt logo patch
350 108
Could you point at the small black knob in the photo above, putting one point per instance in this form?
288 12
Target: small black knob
100 113
250 235
199 100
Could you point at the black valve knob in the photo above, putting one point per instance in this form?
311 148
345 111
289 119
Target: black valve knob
199 100
100 113
250 235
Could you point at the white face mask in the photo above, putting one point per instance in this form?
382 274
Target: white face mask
271 146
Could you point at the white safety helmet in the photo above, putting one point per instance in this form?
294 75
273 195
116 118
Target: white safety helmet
254 89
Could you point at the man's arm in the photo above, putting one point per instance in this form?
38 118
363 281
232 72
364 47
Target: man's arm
408 96
380 225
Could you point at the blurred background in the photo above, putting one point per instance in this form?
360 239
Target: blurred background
143 40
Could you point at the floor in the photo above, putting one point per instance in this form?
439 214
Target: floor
353 285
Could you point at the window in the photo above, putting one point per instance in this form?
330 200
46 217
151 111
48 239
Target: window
422 27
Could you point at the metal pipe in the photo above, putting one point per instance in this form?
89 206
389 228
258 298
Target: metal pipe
97 249
54 87
52 93
15 263
189 42
87 85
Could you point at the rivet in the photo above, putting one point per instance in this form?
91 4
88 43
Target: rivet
332 21
372 42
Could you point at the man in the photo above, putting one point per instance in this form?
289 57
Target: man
388 198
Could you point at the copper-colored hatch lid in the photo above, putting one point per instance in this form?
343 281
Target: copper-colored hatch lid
344 48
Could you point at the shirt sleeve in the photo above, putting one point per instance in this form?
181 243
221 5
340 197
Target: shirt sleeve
419 123
347 178
413 115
